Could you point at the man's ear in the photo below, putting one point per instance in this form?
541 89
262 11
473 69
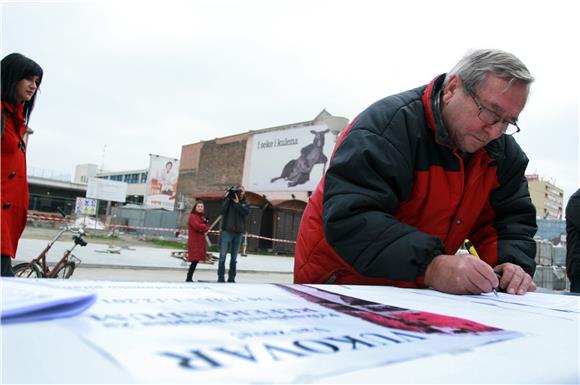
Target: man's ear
451 88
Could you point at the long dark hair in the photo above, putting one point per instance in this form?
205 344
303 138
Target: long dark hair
16 67
195 204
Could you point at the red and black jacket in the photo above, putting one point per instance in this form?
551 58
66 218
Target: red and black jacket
397 194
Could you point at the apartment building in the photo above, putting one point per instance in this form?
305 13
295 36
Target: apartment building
548 199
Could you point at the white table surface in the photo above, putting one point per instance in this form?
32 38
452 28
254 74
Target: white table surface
549 351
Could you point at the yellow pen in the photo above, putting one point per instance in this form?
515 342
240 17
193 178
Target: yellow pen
469 247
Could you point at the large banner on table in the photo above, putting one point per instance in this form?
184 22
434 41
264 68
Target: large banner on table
161 185
256 333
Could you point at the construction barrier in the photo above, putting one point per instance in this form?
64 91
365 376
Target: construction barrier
50 218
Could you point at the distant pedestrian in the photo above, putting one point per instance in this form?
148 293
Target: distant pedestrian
573 241
21 78
198 226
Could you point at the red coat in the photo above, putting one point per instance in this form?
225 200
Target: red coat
14 185
196 245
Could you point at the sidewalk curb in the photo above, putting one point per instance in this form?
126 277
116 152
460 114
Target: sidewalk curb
184 267
131 267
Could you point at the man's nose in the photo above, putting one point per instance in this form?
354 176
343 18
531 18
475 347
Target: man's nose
495 130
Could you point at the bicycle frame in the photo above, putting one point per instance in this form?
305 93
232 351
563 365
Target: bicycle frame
41 262
41 259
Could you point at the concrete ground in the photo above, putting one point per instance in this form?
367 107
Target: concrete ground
139 261
174 275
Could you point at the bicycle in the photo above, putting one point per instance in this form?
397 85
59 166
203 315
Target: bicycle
64 268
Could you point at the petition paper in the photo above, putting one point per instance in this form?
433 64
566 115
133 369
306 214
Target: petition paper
178 332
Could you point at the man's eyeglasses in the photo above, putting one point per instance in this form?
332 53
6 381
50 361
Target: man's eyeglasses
490 118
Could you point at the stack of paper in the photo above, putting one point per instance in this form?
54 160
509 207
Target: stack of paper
29 300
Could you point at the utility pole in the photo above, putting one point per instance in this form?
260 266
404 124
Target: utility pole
103 158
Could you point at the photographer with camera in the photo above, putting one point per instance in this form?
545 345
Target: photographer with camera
234 211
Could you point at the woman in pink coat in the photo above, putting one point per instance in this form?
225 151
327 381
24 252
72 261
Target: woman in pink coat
197 225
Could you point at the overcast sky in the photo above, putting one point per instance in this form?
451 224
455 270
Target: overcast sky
123 79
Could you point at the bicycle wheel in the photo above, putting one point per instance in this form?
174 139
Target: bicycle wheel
65 271
27 270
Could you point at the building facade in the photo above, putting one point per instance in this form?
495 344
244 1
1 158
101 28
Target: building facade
548 199
50 195
278 166
135 179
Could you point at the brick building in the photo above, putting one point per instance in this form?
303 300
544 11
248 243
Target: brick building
279 167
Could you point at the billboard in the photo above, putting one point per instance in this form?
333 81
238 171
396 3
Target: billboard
161 185
290 160
107 190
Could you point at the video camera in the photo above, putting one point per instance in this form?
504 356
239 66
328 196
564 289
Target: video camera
232 192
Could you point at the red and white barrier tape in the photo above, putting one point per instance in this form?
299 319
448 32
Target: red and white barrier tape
47 218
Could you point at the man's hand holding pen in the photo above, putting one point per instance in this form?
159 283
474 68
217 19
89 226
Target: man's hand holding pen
460 274
512 278
471 249
468 274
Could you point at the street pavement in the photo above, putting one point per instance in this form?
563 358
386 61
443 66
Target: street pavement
134 262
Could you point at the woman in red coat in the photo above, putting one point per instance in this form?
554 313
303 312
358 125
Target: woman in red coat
198 226
21 78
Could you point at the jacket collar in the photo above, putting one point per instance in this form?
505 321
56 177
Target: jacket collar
16 114
432 105
17 110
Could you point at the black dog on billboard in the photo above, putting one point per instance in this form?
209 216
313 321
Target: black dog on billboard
297 171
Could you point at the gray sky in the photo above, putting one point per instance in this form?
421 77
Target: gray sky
144 77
